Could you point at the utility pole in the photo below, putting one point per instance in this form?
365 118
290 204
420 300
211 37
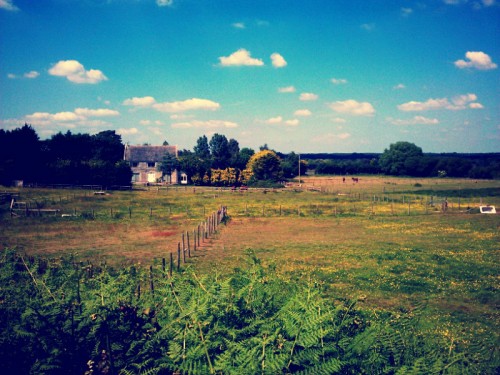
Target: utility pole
299 172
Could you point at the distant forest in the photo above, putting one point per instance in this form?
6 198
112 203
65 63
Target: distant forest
68 158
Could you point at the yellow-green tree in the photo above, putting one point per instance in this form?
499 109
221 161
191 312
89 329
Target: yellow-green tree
265 165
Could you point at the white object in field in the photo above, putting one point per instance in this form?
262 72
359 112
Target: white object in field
487 209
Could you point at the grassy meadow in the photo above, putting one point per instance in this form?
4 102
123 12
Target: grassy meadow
383 241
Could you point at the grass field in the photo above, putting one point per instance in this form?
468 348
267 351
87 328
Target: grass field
383 241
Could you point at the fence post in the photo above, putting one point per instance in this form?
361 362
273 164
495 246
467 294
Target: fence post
178 256
151 280
171 264
189 244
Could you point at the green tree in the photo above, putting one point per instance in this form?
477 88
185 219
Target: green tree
402 158
168 164
219 149
265 165
201 149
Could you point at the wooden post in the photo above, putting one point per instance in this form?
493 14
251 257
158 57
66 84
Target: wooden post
280 209
183 243
189 245
163 266
178 256
151 212
409 200
151 280
130 212
171 264
194 240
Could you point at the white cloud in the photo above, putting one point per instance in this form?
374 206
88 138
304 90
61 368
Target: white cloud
308 96
8 5
240 58
417 120
399 86
145 122
164 3
278 61
368 26
31 75
79 115
274 120
430 104
144 102
339 81
339 120
406 11
459 102
293 122
210 124
302 112
187 105
330 137
287 89
127 131
101 112
478 60
238 25
76 72
353 107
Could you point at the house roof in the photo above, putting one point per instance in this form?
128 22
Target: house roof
150 154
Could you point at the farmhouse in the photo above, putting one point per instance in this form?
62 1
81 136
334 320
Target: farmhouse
144 161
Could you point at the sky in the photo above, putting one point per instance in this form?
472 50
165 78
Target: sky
332 76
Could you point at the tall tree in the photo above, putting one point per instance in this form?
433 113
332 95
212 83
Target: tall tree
402 158
201 149
219 148
265 165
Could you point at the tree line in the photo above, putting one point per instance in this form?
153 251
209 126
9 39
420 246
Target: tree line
68 158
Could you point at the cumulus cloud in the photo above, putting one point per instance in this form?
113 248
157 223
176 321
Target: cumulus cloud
274 120
172 107
287 89
339 120
144 102
353 107
293 122
127 131
477 60
308 96
102 112
164 3
31 75
302 112
417 120
278 61
406 11
80 116
339 81
241 57
459 102
368 26
76 72
210 124
399 86
8 5
239 25
187 105
330 137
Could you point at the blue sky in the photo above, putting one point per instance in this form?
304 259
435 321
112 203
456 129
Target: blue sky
303 76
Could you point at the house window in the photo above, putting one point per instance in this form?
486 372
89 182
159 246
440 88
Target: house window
151 164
